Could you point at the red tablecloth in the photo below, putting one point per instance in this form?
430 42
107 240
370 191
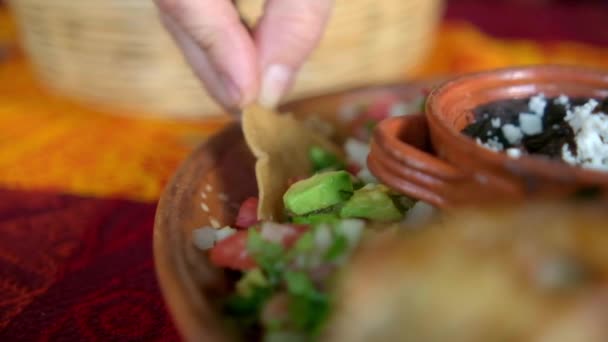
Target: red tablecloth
79 267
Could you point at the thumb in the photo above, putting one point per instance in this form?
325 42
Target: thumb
287 33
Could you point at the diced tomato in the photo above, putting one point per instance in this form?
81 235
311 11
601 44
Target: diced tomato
293 233
232 252
248 213
379 109
359 128
353 168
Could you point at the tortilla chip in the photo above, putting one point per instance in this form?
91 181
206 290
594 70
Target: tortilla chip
281 145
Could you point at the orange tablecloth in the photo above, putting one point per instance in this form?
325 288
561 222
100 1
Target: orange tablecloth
51 143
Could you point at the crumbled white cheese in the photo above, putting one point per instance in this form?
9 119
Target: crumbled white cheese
204 238
590 135
495 122
567 155
537 104
530 124
512 133
514 152
577 115
562 100
493 144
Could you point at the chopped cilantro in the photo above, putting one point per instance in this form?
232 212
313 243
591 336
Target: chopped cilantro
370 125
305 243
309 314
308 307
282 336
245 309
337 249
250 281
316 218
323 160
268 255
299 283
403 203
279 270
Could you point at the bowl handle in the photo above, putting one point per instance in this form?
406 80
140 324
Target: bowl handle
406 140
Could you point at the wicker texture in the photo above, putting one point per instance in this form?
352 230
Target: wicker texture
116 53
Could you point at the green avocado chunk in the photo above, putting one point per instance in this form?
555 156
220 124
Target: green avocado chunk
371 202
316 218
324 160
318 192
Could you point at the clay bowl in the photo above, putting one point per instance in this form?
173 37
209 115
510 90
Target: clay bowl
427 157
207 190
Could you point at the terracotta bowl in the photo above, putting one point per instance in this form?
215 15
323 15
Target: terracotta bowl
427 157
207 190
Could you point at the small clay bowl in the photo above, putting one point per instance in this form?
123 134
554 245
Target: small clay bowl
427 157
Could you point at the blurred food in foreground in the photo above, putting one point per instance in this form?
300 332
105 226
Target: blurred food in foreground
536 273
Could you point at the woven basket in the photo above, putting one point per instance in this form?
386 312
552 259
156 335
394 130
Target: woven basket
116 53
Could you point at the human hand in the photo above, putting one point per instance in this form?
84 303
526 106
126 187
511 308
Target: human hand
235 66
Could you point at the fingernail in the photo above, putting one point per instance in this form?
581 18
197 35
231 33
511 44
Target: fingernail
232 91
275 81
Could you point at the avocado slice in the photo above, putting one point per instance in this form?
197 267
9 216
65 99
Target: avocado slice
372 202
318 192
315 218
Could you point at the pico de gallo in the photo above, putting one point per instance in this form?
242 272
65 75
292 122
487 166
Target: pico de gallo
286 269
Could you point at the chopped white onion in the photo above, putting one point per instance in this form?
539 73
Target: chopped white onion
204 238
323 237
351 229
223 233
356 151
419 214
274 232
348 112
366 176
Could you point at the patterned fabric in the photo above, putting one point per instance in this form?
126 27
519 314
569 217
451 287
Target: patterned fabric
78 187
78 269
